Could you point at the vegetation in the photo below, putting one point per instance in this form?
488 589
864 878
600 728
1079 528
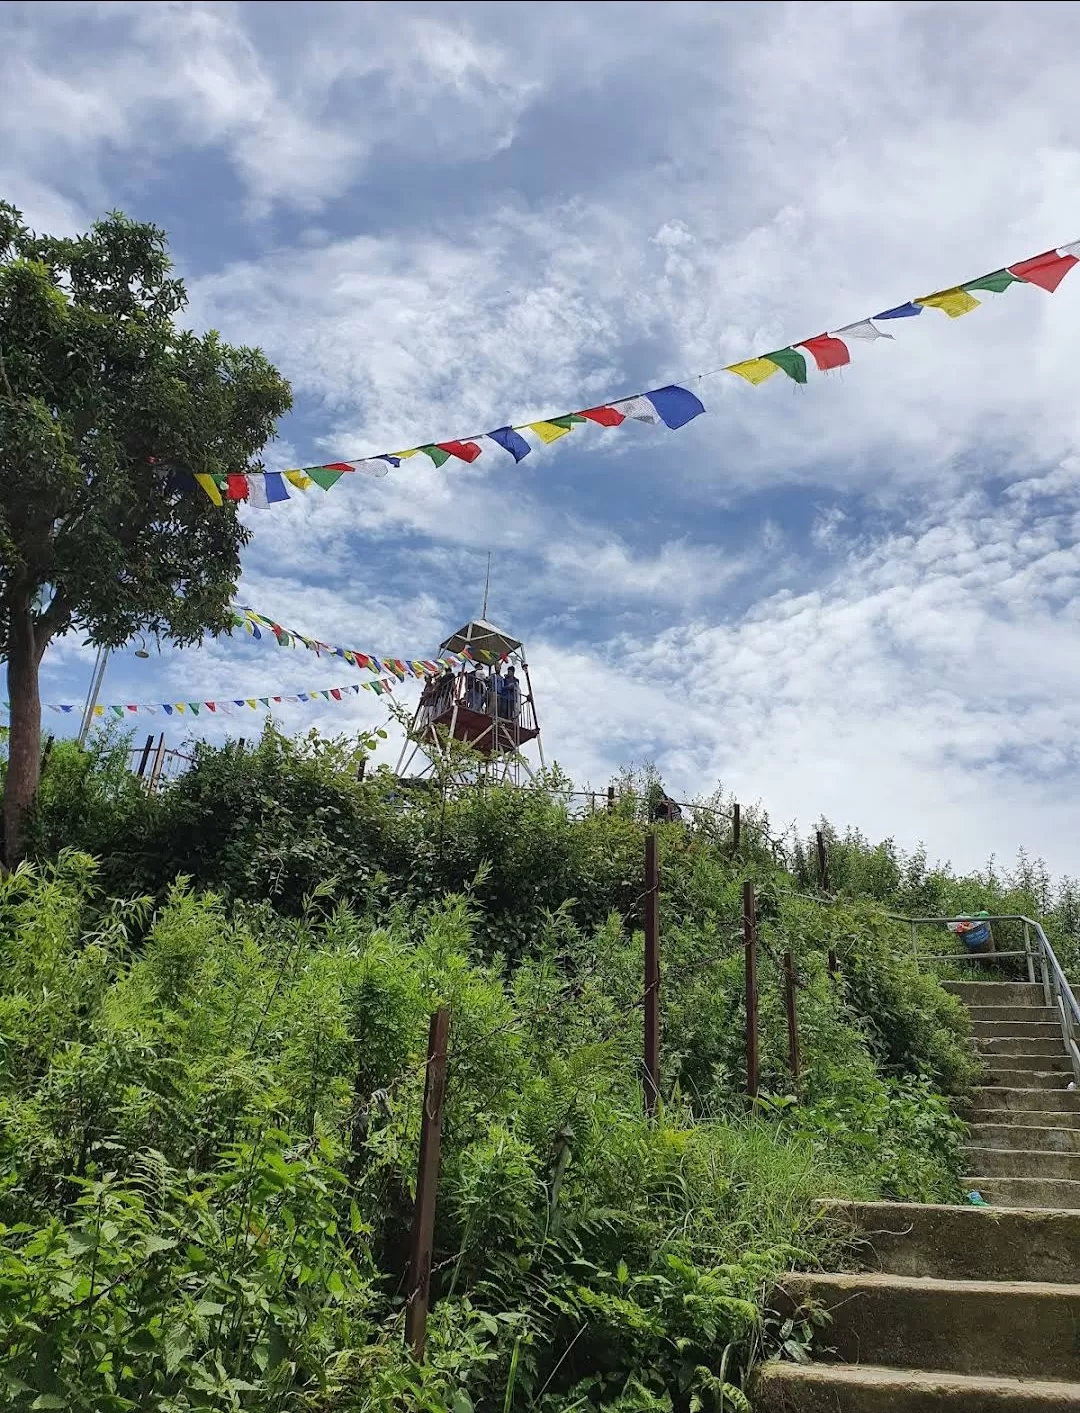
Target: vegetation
108 411
211 1070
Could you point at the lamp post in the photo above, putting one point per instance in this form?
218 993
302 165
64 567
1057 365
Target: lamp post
92 694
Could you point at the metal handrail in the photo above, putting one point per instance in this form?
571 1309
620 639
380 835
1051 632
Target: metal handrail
1057 991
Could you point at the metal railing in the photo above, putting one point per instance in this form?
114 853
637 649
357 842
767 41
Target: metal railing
1039 957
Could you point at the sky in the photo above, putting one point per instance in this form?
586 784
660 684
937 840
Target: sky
857 599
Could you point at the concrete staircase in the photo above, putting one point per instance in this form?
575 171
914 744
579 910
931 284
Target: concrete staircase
964 1309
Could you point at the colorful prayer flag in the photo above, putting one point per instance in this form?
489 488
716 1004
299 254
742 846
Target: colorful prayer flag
547 431
324 476
298 479
954 302
997 282
792 362
210 486
676 406
510 441
754 370
377 466
464 451
605 416
827 352
639 408
902 311
436 453
1046 270
236 487
861 329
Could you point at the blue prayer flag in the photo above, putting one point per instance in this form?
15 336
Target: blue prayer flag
675 406
511 441
274 482
902 311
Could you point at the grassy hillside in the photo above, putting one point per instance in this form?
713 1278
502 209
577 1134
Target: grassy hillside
213 1017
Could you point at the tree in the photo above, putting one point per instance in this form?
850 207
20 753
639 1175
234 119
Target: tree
108 411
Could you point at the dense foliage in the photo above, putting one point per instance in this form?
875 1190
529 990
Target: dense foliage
210 1093
109 408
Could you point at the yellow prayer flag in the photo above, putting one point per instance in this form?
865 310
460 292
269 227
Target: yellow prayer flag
953 302
404 455
251 702
754 370
180 707
99 710
298 479
547 431
209 485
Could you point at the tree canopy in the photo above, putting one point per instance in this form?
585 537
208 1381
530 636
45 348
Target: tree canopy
108 410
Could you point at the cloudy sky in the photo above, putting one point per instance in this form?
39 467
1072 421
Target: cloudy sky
858 598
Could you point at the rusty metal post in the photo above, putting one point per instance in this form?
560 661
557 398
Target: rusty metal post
427 1184
610 798
155 769
145 756
822 863
792 1017
652 975
749 923
736 827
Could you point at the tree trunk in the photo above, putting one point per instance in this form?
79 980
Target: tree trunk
24 738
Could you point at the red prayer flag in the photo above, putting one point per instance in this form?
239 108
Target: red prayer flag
277 699
606 416
335 692
1046 270
211 705
336 466
464 451
132 708
827 352
236 487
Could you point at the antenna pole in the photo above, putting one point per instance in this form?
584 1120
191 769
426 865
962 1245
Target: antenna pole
487 586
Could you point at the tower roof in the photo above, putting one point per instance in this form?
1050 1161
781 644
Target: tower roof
479 633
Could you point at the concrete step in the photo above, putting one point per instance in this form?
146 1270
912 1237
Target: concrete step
1027 1079
1022 1163
996 993
1020 1045
1059 1194
1017 1329
1049 1139
1033 1118
1000 1029
1024 1014
1018 1100
958 1243
868 1388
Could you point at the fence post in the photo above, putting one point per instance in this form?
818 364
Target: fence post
822 863
427 1184
652 975
792 1018
834 965
736 827
155 769
145 756
46 751
749 923
610 798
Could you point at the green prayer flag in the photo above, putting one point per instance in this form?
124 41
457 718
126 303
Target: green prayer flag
792 362
323 476
265 701
996 283
570 420
193 707
436 453
119 710
376 687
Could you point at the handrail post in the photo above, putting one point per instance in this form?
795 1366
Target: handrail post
652 975
792 1017
427 1183
750 944
1027 950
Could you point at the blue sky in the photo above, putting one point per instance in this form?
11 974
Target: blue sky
859 598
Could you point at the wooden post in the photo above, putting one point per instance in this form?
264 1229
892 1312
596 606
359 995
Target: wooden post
834 965
652 975
46 751
155 769
736 827
610 798
749 923
822 863
427 1183
792 1018
145 756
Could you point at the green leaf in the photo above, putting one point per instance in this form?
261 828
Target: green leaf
50 1400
